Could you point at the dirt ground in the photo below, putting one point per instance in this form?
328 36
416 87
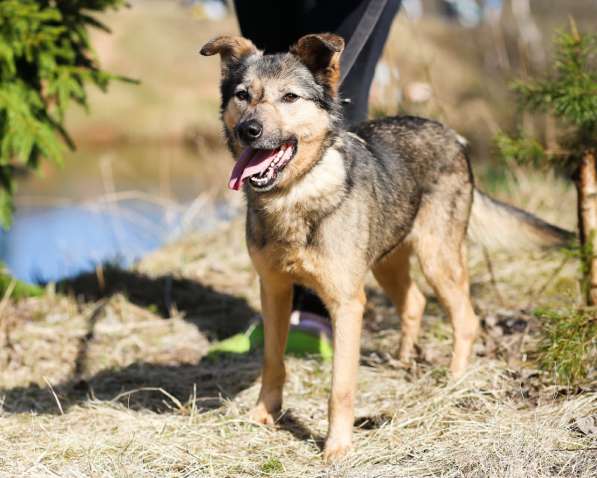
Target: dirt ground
106 375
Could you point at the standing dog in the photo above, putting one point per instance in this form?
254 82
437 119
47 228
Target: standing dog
326 205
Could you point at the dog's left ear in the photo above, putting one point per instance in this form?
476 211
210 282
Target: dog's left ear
232 50
321 54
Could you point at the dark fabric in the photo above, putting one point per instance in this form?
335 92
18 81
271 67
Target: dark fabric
362 32
274 25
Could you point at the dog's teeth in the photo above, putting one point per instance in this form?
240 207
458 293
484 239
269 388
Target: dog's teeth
283 155
288 152
279 155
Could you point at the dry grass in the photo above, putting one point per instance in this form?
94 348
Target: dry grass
410 426
111 379
108 377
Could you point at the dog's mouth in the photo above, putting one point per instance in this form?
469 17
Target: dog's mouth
261 166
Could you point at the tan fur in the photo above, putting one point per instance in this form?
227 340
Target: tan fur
231 117
276 301
230 49
318 183
310 125
393 275
321 54
285 261
442 256
286 252
278 268
280 264
498 228
307 122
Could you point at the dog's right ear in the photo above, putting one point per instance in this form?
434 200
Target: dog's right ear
232 50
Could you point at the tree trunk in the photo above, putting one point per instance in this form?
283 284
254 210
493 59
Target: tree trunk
587 223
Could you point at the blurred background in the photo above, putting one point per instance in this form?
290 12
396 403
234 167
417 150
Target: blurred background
150 164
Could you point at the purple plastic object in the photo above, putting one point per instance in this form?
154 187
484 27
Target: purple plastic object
307 322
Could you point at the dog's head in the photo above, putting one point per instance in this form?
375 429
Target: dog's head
277 109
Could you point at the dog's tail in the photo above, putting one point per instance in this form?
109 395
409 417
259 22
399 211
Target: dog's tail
495 224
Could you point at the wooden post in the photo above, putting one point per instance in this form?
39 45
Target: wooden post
587 223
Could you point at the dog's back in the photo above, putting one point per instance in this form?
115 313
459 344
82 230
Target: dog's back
420 169
408 169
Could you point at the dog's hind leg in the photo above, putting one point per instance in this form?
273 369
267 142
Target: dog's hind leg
393 275
443 261
276 304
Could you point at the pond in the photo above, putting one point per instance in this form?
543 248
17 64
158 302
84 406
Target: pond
112 205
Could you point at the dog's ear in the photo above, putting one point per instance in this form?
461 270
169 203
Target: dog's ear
321 54
232 50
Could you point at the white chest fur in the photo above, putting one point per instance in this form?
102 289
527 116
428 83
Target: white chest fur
289 214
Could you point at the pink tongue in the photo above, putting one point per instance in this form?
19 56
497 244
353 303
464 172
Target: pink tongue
251 162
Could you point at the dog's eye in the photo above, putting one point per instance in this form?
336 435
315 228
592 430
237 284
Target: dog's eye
290 98
242 95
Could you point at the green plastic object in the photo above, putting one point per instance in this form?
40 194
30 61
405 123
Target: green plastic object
300 343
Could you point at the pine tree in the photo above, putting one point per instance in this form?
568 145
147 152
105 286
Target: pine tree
569 93
46 61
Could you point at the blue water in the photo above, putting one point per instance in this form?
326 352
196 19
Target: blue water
51 241
49 244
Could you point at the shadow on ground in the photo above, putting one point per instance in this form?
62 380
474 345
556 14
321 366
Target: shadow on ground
165 389
160 388
216 314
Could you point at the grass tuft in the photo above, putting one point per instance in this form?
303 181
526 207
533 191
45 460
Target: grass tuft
273 466
569 344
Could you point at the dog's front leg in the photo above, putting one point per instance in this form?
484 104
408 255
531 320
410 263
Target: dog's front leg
276 304
347 317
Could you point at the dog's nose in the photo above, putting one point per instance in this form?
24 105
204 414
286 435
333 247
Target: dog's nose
250 130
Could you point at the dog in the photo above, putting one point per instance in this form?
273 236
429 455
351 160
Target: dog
326 204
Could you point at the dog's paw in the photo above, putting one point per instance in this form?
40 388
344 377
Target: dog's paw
259 414
407 350
336 449
457 369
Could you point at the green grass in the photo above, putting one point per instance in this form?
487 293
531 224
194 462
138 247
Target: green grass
16 289
569 344
273 466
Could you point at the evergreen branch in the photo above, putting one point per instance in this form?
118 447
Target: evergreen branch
46 62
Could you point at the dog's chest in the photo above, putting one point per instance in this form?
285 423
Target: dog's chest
285 228
285 243
288 225
304 265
